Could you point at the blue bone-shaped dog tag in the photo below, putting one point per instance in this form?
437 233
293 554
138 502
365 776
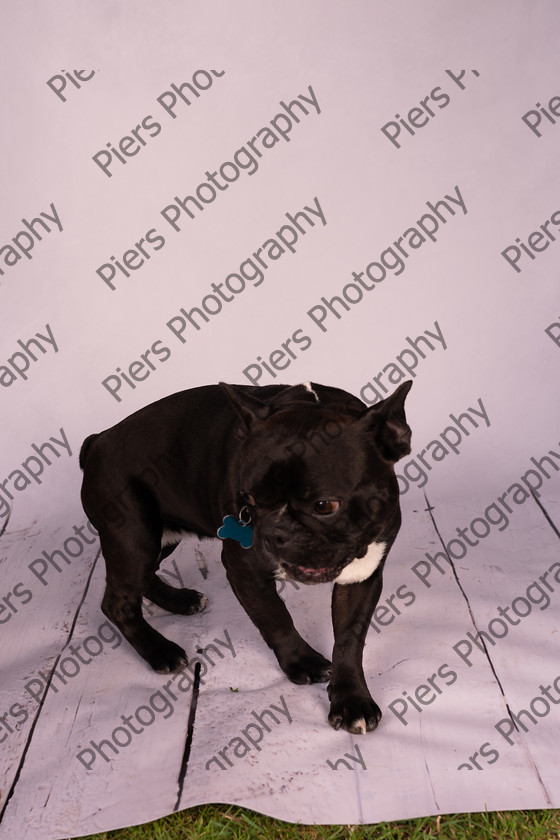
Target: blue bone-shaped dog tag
236 529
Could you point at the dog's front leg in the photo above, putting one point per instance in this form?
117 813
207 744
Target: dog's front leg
352 707
256 592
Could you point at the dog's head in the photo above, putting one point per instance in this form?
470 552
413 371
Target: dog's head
316 472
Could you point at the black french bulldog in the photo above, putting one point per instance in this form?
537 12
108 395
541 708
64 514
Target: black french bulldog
299 483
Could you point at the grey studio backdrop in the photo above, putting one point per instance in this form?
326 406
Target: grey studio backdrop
351 193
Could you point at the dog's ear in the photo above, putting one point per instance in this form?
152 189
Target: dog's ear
249 408
386 420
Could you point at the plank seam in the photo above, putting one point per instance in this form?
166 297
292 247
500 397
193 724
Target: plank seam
46 690
430 510
188 737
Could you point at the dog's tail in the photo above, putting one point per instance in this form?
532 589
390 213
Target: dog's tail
84 449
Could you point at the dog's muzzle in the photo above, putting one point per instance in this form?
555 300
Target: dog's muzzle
312 574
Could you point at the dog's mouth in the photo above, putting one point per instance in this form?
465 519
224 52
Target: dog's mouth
304 574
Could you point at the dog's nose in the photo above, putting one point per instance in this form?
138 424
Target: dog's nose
277 536
278 531
280 538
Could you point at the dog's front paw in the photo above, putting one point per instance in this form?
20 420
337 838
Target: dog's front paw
167 658
356 713
306 666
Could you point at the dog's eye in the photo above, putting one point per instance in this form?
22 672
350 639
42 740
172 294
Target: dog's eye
326 507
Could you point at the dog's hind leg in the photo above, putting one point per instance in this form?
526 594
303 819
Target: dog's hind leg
131 558
125 611
180 601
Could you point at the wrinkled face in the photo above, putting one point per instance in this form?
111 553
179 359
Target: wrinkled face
319 497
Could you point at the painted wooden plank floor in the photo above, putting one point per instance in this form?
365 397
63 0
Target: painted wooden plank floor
103 737
427 142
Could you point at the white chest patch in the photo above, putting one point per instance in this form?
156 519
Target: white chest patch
360 569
